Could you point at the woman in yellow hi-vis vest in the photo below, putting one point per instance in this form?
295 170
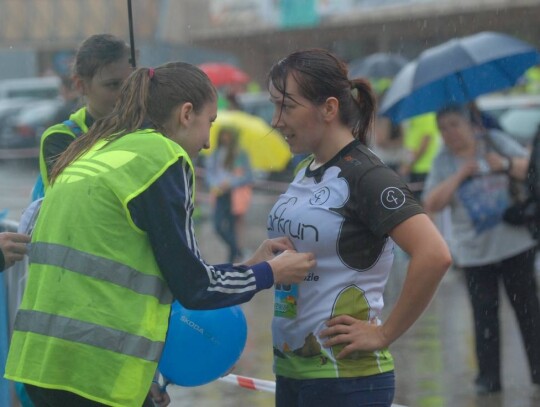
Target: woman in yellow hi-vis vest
114 244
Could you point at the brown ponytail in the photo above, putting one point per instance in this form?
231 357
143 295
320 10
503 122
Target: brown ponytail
363 96
144 100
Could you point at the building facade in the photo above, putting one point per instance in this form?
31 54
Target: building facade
254 33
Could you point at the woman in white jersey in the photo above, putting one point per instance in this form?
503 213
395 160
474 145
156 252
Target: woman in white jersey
347 207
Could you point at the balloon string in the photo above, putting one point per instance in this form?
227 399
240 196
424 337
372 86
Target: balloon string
166 382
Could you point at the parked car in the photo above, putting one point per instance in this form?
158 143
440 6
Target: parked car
46 87
10 107
24 129
518 115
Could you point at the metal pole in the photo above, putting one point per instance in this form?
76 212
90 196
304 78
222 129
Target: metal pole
131 38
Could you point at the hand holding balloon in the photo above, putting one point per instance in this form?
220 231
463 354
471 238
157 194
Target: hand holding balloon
159 395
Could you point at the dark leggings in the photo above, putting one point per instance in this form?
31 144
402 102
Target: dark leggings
518 276
42 397
224 223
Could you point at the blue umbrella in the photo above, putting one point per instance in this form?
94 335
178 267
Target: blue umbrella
457 71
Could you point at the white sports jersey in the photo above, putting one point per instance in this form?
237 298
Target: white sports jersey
342 212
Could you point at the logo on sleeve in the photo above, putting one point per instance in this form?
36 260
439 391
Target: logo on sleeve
392 198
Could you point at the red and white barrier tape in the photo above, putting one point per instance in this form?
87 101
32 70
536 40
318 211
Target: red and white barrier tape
250 383
257 384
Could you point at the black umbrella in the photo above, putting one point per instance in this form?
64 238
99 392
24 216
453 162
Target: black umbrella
375 66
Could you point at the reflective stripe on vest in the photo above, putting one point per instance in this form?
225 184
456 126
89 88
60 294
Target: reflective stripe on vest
100 268
89 334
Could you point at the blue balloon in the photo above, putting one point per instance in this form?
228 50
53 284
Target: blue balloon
201 346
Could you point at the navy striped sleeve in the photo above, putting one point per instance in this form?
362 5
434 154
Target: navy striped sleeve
165 211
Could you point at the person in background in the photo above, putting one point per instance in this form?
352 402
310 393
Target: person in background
100 67
12 248
349 209
93 319
421 142
230 179
471 175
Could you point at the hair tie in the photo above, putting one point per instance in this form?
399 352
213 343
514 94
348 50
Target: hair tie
151 72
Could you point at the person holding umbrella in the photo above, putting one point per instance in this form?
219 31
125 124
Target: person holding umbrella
348 208
421 143
471 175
93 319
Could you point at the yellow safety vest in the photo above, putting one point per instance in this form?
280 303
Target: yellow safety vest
79 119
95 310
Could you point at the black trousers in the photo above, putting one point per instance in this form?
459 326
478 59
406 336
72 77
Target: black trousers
224 224
518 277
42 397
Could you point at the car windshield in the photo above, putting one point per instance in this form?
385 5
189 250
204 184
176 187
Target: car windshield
522 122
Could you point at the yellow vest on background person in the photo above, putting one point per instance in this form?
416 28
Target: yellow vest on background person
415 130
532 80
79 119
95 311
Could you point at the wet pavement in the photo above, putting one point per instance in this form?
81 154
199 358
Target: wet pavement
435 363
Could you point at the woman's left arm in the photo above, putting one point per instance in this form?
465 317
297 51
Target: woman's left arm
429 260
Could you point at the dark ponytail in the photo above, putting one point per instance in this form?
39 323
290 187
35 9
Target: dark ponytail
364 98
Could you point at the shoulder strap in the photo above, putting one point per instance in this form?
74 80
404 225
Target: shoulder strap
517 191
74 127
